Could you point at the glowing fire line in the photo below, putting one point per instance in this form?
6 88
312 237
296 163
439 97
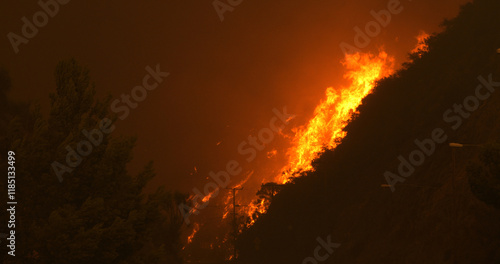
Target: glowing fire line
325 129
196 228
421 45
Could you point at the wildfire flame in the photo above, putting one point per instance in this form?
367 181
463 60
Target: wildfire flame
229 197
196 228
254 209
325 129
421 45
204 200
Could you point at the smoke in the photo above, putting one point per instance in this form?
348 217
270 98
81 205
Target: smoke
226 77
299 56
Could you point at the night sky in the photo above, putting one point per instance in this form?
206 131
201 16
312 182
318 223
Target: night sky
225 77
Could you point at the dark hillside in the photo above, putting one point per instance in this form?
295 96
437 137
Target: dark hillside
431 217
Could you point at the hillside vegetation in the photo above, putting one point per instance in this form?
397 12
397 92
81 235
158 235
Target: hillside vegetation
431 217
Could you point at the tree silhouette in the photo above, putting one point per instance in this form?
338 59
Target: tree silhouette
99 213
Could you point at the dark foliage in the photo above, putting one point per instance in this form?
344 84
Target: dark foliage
484 177
428 219
99 212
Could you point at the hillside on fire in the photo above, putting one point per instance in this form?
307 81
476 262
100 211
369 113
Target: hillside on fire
395 190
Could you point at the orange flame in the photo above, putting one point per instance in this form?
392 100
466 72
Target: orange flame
272 153
196 228
205 199
421 45
254 209
228 204
325 129
209 196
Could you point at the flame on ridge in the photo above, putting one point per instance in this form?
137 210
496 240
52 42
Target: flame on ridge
421 45
325 129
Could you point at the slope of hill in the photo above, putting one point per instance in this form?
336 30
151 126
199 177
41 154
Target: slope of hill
431 217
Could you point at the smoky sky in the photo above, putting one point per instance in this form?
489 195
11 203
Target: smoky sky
225 77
